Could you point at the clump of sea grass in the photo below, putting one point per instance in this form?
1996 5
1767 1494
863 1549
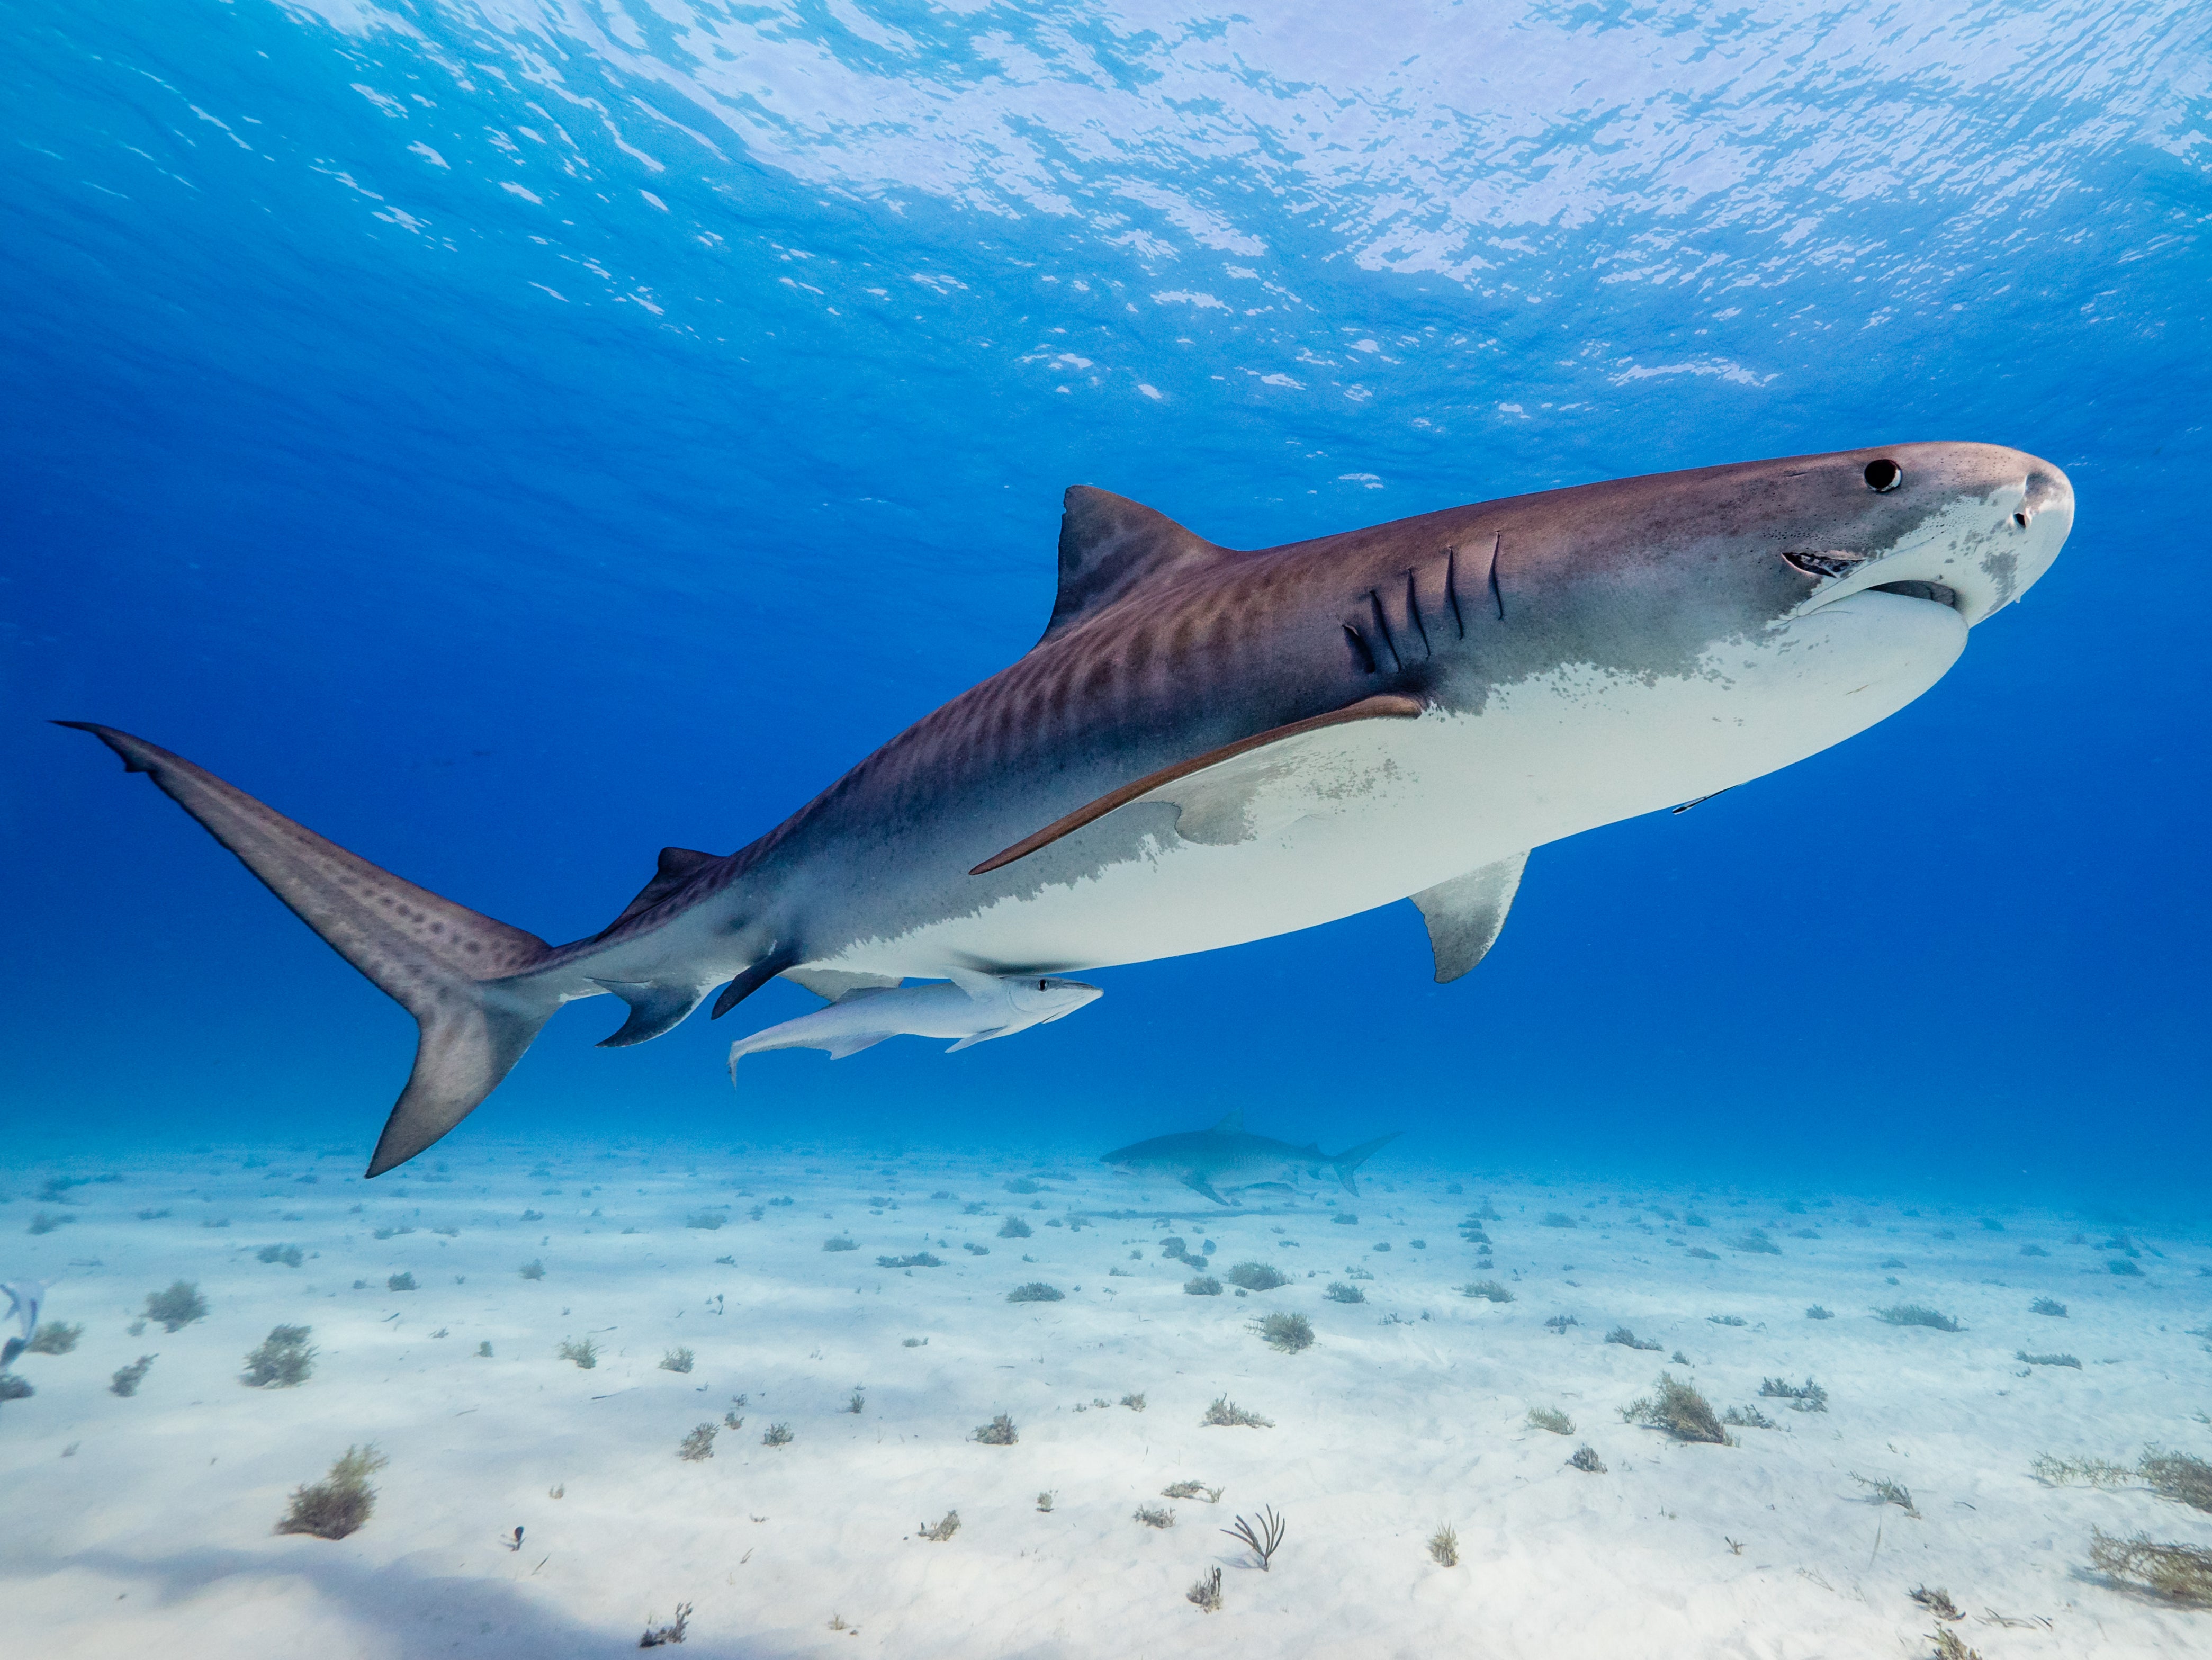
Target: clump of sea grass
1287 1333
1757 1242
2081 1471
2027 1359
1552 1419
1559 1322
13 1388
1889 1492
2178 1476
2050 1305
1936 1602
1555 1219
1014 1228
1916 1314
399 1282
839 1241
1035 1292
679 1358
1949 1645
1490 1291
776 1435
284 1358
1338 1292
2181 1574
1206 1592
1135 1403
532 1269
1702 1254
698 1445
1807 1396
1256 1276
586 1353
290 1256
1443 1547
1262 1536
1680 1410
920 1259
1816 1312
53 1337
177 1307
126 1380
938 1531
659 1636
710 1221
1155 1516
1628 1338
1585 1458
1204 1285
341 1502
1226 1412
1747 1418
999 1432
1191 1490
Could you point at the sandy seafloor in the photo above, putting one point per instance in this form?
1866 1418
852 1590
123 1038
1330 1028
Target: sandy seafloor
144 1525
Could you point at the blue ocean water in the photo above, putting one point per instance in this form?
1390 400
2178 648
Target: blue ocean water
508 438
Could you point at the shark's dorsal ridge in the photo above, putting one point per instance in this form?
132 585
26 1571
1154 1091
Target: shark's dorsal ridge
1110 546
1232 1122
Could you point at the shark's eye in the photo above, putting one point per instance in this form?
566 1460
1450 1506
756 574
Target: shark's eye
1883 476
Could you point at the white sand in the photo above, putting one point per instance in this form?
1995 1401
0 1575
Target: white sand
143 1526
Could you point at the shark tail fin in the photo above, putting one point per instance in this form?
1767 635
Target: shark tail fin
1348 1162
459 974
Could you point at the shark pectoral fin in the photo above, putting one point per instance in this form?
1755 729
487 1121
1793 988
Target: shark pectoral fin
1466 914
975 1037
1388 706
654 1009
853 1043
1198 1183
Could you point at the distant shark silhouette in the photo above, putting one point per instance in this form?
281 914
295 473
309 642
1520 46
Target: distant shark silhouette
1226 1158
1209 746
25 1298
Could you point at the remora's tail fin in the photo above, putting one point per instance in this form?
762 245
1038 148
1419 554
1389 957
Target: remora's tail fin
1348 1162
442 962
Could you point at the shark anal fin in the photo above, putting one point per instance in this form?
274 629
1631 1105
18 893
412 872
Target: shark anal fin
975 1037
1388 706
1466 914
1109 547
654 1009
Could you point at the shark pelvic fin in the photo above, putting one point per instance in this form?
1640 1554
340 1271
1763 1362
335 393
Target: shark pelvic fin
1466 914
462 976
1109 547
779 958
855 1042
654 1009
1387 706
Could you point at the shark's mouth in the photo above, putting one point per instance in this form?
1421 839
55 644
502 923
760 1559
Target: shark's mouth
1833 563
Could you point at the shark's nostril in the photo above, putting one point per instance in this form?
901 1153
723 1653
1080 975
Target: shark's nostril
2022 518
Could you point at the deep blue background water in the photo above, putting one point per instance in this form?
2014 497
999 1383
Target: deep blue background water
508 438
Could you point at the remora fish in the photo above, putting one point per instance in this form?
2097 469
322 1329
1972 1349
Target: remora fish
1209 746
970 1006
1224 1157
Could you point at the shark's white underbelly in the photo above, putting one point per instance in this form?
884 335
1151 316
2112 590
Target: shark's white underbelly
1361 815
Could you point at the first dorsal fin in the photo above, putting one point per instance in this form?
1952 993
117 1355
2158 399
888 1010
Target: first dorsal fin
1110 546
678 866
1232 1122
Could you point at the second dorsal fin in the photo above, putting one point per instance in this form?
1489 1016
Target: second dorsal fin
1110 546
676 867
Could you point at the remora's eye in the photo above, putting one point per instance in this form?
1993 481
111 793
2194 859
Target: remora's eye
1883 476
1830 563
1040 985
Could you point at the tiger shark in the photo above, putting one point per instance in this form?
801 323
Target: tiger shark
1210 745
1227 1158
